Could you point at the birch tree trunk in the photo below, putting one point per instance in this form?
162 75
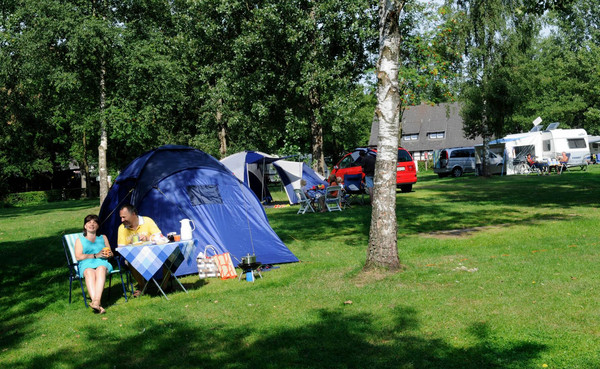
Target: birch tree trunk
383 241
84 169
102 148
316 133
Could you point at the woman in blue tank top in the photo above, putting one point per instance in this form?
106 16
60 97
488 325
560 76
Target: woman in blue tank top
92 257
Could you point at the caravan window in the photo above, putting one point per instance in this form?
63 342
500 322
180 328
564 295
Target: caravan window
547 145
576 143
522 151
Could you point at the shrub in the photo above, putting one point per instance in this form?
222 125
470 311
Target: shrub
40 197
421 164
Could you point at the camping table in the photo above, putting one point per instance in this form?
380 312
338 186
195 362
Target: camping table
149 259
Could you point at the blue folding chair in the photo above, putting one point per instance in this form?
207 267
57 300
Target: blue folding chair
68 241
354 189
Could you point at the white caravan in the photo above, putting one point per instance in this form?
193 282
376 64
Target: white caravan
542 145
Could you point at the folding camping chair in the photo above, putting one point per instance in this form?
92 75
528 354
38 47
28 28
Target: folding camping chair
333 198
68 241
353 187
304 202
565 163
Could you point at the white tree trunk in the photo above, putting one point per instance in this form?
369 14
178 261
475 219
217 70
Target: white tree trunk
383 241
102 148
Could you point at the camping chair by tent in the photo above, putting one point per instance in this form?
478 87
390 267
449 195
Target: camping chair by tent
564 163
333 198
304 202
354 187
68 241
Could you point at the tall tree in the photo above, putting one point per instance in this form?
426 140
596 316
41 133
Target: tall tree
430 56
217 75
559 77
497 32
497 36
31 84
383 239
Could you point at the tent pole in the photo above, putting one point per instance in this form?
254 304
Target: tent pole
262 173
119 204
248 221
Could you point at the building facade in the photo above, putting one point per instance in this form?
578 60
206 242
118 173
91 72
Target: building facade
426 128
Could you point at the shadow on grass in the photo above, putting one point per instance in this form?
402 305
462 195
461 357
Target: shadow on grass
34 276
338 339
495 201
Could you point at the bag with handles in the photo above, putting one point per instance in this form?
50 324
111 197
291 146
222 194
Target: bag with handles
225 264
207 266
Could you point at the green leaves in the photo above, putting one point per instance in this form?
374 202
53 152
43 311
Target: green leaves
211 74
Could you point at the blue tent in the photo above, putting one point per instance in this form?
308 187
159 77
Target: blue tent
171 183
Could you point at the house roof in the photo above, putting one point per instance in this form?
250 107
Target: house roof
424 119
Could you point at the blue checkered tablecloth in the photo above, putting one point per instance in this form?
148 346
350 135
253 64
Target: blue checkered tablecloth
149 259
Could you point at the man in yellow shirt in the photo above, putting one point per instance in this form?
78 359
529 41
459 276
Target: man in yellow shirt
134 229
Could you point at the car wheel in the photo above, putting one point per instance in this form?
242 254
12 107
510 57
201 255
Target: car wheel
457 172
406 188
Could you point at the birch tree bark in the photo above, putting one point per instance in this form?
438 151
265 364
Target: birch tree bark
102 148
383 241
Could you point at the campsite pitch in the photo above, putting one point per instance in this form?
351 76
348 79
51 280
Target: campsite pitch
518 290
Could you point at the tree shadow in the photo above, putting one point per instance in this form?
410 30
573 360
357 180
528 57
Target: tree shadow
505 196
35 275
338 339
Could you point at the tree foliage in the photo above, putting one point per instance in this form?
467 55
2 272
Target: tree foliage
221 76
281 77
559 78
525 59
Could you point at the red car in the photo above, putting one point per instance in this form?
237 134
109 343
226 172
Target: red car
406 173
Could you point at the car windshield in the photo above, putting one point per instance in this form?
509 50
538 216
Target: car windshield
403 156
351 160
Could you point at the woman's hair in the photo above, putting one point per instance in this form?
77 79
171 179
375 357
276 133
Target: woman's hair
90 217
331 178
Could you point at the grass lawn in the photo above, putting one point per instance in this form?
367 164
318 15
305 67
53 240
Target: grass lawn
500 273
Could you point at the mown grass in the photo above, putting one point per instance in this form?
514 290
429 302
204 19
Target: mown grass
499 273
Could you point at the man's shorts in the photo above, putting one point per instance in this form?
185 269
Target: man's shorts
369 182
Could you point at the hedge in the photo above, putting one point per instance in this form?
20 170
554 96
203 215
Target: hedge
41 197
